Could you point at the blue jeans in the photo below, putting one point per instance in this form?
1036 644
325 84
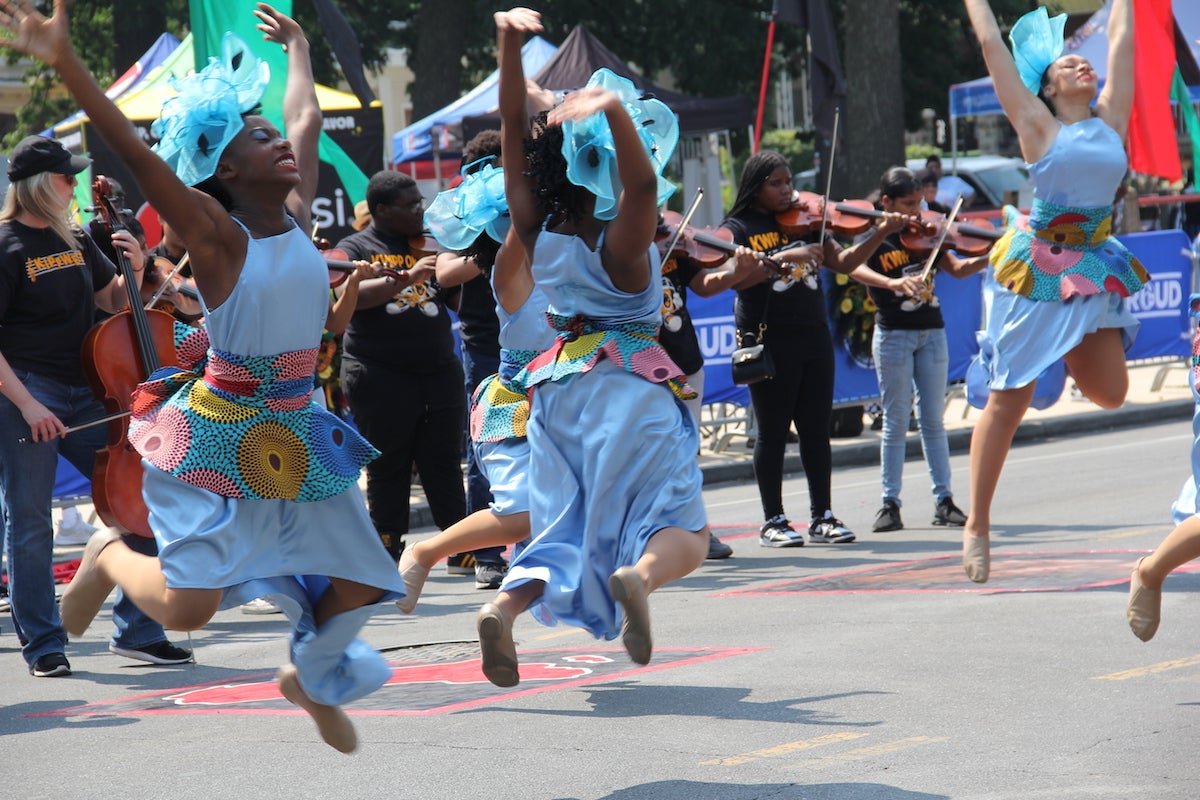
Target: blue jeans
906 360
476 367
27 472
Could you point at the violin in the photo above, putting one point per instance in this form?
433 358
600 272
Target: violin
118 354
160 282
922 235
709 247
808 210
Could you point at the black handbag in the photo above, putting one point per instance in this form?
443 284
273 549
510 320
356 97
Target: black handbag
753 364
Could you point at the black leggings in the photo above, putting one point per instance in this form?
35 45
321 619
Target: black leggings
801 393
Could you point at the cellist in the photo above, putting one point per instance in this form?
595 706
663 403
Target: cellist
53 278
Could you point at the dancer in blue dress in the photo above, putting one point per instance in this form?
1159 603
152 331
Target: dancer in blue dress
1058 281
250 485
614 488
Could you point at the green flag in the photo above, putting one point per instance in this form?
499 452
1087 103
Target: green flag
1179 93
212 18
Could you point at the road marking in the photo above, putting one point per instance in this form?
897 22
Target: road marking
782 749
890 747
1127 534
1141 672
557 634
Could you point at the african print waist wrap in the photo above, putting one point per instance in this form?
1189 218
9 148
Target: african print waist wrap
582 342
1058 252
245 427
1194 313
497 411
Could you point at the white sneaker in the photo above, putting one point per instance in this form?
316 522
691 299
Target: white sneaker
72 529
261 605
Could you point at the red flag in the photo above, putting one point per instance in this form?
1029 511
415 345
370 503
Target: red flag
1152 146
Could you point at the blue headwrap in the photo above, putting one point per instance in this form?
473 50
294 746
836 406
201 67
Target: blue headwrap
196 125
591 156
457 216
1037 41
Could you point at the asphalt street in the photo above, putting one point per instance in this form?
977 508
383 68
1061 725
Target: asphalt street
855 671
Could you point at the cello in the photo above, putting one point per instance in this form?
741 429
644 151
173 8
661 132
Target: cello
118 354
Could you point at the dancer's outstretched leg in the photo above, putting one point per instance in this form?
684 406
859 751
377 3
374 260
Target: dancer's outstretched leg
1145 588
990 443
479 530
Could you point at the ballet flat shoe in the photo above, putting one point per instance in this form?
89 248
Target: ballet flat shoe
413 575
977 558
628 589
84 596
1145 606
498 653
332 723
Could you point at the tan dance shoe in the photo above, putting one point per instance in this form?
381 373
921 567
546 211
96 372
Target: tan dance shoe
83 597
332 723
413 575
977 557
1145 606
628 589
498 653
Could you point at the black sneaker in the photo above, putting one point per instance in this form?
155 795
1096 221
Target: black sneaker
461 564
717 549
829 530
489 574
51 665
947 513
158 653
888 518
777 532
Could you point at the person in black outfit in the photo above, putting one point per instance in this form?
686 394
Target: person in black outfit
787 300
400 370
678 335
479 330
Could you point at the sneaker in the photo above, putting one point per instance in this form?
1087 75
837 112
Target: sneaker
5 603
777 532
829 529
72 530
717 549
261 605
158 653
461 564
888 518
947 513
51 665
489 574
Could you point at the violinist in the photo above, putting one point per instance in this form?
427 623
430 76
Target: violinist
682 271
53 279
791 306
1056 289
400 367
183 304
909 345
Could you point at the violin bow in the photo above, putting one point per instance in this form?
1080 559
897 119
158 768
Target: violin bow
837 113
933 254
73 428
686 219
167 280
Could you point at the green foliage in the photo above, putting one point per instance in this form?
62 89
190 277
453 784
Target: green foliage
793 145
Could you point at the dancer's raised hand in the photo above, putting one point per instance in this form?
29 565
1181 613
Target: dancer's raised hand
29 31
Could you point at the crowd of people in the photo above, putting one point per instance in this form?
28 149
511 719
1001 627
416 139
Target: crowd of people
548 250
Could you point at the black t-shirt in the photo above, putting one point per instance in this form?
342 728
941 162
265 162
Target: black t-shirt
896 312
678 335
795 301
412 331
47 299
478 325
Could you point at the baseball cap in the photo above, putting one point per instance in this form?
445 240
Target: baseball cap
34 155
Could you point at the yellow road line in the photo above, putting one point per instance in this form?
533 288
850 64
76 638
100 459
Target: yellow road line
1141 672
1128 534
783 749
558 634
890 747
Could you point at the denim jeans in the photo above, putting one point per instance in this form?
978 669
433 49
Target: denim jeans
27 472
476 367
908 360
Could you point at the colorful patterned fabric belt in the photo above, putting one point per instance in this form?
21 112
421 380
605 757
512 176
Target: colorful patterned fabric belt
1059 252
582 342
246 428
497 411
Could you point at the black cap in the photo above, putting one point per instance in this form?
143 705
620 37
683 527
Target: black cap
34 155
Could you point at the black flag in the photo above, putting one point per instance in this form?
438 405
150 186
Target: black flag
345 48
824 60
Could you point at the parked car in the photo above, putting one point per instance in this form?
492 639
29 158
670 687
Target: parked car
996 180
